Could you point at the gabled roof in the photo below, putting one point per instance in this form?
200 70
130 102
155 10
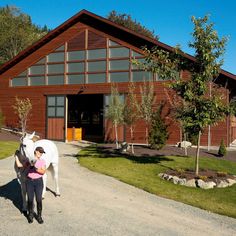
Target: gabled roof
105 26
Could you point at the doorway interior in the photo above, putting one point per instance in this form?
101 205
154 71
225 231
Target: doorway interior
85 111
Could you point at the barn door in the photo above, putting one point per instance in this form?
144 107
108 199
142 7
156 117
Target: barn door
56 117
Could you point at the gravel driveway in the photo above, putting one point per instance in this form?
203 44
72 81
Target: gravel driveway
94 204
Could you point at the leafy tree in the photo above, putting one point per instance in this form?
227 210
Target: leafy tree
126 21
22 108
158 134
16 32
131 112
115 111
198 109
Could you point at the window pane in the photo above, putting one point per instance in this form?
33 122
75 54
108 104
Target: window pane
51 101
24 73
112 43
75 79
37 70
136 54
119 77
119 65
56 69
97 66
56 57
60 48
51 111
42 61
76 55
96 54
60 111
60 101
96 78
75 67
119 52
37 80
55 80
141 76
19 82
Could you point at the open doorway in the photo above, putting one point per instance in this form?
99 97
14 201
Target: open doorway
86 112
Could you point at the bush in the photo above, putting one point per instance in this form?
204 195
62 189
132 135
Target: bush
158 134
222 149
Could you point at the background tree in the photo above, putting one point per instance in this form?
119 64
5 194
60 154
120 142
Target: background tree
22 108
16 32
126 21
115 110
131 112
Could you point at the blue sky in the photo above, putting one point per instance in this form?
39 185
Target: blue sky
170 19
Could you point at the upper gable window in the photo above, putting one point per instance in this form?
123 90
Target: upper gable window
15 82
37 70
62 48
56 57
136 54
75 55
96 54
118 52
112 43
42 61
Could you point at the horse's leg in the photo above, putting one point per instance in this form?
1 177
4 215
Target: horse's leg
23 193
44 184
55 176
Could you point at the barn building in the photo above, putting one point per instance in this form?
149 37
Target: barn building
67 76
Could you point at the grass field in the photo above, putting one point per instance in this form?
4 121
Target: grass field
7 148
142 172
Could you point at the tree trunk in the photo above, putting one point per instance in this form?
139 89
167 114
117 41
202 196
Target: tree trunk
116 134
185 148
197 154
132 139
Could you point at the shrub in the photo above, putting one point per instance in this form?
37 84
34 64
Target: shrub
158 133
222 149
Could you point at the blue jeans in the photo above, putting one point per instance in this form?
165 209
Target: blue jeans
34 187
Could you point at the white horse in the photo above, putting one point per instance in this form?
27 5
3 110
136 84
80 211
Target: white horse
50 156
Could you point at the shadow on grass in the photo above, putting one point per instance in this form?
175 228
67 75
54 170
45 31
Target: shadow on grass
109 152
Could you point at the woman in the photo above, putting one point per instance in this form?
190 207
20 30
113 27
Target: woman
34 185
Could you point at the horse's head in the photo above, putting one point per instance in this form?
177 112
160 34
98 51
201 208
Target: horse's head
27 146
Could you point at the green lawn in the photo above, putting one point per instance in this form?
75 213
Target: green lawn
142 172
7 148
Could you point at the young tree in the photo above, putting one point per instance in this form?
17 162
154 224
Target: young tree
145 108
115 111
22 108
131 112
126 21
16 32
199 109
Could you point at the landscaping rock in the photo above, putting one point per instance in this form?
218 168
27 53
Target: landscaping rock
191 183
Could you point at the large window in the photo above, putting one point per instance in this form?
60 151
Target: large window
103 63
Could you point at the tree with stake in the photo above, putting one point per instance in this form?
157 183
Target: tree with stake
114 112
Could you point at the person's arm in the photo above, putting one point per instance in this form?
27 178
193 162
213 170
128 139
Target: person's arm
41 170
18 163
